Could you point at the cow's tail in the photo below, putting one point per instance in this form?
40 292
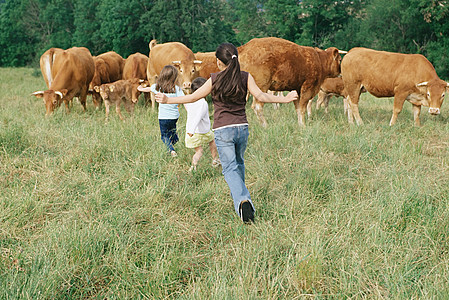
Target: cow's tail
49 59
152 44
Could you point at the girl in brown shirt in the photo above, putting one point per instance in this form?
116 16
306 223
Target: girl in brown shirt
229 88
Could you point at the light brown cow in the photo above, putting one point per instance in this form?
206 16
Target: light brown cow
67 74
386 74
108 68
136 67
176 54
331 87
280 65
117 92
208 64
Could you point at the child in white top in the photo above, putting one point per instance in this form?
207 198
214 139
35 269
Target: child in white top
198 130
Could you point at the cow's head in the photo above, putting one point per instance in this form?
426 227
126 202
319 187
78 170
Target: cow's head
52 99
434 92
135 83
104 90
188 70
335 61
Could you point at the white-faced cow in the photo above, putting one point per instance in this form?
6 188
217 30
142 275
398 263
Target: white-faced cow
176 54
408 77
108 68
280 65
67 74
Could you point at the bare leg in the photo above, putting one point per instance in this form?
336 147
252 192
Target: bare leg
196 157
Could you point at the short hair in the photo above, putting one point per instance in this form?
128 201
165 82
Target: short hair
197 83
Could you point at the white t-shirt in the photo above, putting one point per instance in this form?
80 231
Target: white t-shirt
197 117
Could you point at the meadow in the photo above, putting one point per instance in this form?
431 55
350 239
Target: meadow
100 211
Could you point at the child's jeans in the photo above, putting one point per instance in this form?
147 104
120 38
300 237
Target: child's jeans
231 145
168 132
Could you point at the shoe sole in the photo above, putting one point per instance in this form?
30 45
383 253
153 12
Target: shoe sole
246 212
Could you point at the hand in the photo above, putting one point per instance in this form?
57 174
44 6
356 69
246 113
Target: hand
143 89
293 95
161 98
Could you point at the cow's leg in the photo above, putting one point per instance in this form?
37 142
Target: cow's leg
399 100
258 110
153 101
326 103
309 108
301 105
345 105
416 112
107 104
66 103
117 109
320 99
353 107
83 98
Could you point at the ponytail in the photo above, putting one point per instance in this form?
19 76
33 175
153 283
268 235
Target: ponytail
228 86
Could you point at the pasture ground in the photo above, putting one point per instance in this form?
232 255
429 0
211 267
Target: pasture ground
95 210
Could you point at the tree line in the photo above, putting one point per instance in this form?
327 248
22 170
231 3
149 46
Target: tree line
29 27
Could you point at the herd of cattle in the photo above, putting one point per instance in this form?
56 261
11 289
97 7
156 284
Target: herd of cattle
276 65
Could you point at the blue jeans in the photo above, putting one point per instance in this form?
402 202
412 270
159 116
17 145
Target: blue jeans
231 145
168 132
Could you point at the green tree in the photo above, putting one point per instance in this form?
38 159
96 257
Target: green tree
14 39
248 17
283 18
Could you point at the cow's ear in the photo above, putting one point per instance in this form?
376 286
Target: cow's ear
64 92
38 94
97 88
176 63
422 87
336 54
198 64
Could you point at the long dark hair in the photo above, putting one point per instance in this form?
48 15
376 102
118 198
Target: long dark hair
166 81
228 85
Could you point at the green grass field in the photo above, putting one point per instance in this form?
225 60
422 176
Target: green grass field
95 210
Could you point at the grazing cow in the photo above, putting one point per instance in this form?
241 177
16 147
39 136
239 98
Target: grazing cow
136 67
208 64
117 92
175 54
108 68
280 65
67 74
385 74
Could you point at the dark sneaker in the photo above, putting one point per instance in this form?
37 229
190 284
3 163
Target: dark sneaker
246 212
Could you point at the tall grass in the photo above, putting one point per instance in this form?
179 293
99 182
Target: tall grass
95 210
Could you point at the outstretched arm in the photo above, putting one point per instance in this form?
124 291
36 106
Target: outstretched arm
264 97
202 92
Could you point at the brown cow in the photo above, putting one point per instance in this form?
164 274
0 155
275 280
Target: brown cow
108 68
386 74
136 67
176 54
67 74
116 92
280 65
331 87
208 64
